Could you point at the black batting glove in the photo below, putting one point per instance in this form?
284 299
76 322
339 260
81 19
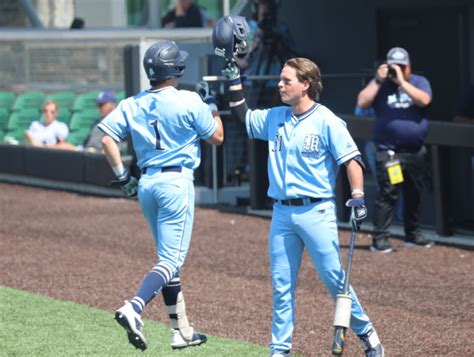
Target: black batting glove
127 183
358 211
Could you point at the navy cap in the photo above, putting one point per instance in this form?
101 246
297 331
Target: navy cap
106 97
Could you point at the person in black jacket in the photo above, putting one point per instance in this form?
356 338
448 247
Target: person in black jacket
185 14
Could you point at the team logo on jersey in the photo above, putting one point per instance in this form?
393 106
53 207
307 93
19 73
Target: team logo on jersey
310 146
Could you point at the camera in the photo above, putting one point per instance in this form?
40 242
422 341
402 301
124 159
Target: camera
391 72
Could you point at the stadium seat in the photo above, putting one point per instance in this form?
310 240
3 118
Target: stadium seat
64 115
4 113
78 136
7 99
120 96
18 122
83 119
81 124
65 99
85 101
29 100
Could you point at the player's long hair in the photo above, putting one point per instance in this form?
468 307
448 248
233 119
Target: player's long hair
307 70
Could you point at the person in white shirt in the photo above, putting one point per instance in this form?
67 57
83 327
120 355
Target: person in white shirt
47 132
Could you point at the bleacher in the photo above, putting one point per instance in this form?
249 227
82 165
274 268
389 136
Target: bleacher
77 110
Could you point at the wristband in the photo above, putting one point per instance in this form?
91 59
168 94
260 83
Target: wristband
234 82
236 95
118 170
357 191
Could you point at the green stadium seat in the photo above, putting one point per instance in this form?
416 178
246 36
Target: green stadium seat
120 96
65 99
18 122
85 101
4 113
78 136
64 115
29 100
7 99
81 124
83 119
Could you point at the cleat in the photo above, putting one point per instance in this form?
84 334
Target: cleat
179 342
382 246
286 353
371 344
133 325
419 242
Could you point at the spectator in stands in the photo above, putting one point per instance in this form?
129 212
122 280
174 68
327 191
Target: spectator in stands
106 103
185 14
47 132
207 20
77 23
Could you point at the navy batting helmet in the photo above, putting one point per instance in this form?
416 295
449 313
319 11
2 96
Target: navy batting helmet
229 35
164 60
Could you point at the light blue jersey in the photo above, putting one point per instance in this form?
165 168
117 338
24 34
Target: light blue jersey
304 150
166 126
304 153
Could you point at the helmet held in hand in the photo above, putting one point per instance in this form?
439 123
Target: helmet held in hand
229 37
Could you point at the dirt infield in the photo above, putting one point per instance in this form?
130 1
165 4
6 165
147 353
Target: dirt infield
95 251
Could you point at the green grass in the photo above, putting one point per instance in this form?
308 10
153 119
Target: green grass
32 325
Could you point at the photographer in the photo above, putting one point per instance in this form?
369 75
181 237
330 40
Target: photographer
399 99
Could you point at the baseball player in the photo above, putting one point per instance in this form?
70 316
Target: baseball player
166 126
306 143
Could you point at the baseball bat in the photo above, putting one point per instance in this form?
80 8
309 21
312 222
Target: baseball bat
342 315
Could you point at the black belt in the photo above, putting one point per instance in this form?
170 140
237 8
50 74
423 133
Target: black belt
299 201
165 169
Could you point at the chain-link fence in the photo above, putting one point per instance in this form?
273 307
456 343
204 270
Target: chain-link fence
75 60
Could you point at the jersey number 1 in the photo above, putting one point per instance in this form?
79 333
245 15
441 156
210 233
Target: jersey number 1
154 124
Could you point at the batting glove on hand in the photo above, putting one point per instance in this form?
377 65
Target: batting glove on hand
127 183
231 70
202 88
358 211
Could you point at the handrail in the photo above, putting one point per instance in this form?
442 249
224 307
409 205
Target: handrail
442 133
181 34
